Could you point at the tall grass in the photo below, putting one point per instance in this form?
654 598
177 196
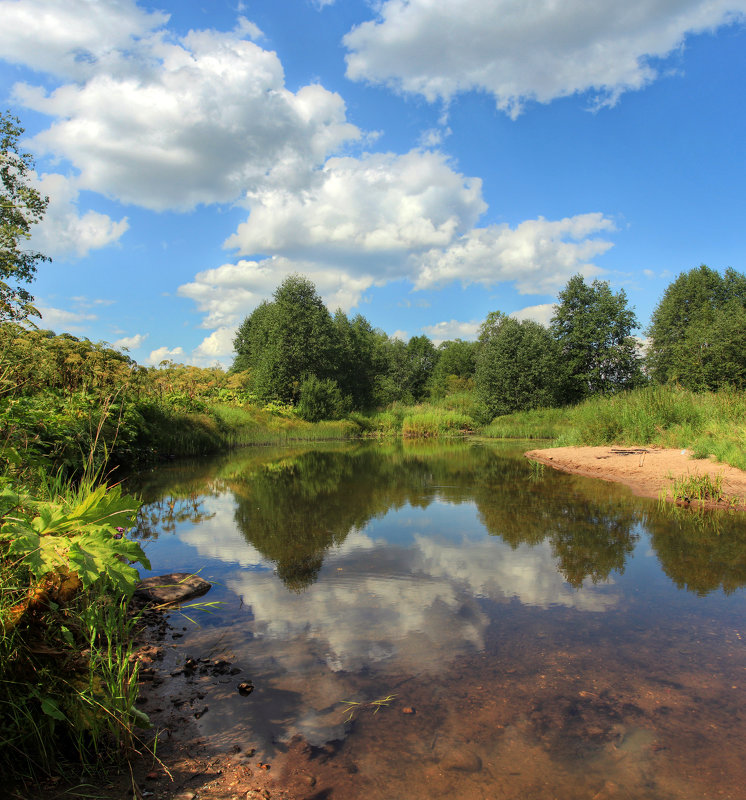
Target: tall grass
68 684
708 423
438 419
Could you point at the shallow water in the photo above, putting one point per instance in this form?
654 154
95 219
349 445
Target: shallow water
552 636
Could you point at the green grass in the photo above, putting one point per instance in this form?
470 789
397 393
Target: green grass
68 684
425 420
708 423
696 488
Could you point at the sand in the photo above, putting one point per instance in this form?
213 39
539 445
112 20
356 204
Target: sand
647 471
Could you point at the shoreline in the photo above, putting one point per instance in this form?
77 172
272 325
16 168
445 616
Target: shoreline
647 471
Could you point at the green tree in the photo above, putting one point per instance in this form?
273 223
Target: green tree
517 365
287 340
592 326
21 206
252 337
697 335
360 358
455 367
421 358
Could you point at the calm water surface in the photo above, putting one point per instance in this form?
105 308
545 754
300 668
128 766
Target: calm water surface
554 636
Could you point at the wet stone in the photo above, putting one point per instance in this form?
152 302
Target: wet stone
175 587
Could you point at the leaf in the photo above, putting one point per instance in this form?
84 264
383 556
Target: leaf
51 709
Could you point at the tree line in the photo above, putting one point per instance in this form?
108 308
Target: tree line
293 350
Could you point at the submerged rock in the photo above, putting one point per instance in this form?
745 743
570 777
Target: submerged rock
173 588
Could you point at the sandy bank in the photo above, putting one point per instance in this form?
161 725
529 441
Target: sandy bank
647 471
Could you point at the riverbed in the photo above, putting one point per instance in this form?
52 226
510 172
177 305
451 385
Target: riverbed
429 620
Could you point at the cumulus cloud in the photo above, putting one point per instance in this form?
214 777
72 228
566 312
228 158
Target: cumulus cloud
59 319
163 354
230 292
131 342
72 38
64 232
453 329
172 124
539 255
348 249
542 313
379 205
526 51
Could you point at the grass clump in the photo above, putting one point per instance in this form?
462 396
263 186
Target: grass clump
696 489
706 423
67 682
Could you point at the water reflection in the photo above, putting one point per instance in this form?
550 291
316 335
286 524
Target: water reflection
293 506
537 623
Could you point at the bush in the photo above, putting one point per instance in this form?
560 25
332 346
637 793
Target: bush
320 398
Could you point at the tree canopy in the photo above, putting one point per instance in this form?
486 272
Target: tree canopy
697 334
517 365
593 326
285 341
21 206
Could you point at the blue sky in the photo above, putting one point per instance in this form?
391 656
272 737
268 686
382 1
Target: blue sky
423 162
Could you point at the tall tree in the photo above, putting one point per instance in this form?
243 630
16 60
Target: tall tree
252 337
421 360
592 326
697 334
517 365
21 206
454 368
286 340
359 358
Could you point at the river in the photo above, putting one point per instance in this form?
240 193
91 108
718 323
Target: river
498 630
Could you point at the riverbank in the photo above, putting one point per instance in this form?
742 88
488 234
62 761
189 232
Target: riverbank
648 471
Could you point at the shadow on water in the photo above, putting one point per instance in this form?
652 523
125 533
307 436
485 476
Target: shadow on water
546 635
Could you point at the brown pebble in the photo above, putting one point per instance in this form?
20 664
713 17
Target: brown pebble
407 710
245 688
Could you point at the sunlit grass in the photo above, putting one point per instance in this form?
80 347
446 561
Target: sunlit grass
707 424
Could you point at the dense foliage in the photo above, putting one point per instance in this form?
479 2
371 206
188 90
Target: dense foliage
593 326
21 206
698 331
517 366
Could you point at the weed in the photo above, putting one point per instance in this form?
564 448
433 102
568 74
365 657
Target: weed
353 706
697 488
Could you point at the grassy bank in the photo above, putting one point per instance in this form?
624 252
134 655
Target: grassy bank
67 685
707 423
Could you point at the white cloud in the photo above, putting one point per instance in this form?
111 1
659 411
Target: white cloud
379 205
172 124
230 292
163 354
61 320
215 348
443 331
71 38
131 342
542 313
521 51
538 255
64 232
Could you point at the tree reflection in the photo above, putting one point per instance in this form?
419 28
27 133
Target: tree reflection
294 504
700 551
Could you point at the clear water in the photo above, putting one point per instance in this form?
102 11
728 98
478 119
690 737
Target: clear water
552 636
